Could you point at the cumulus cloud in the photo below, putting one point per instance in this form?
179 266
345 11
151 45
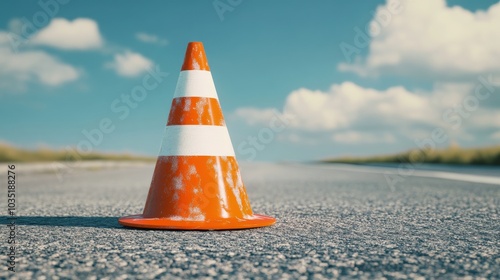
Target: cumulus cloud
129 64
347 105
486 118
16 69
363 137
429 38
79 34
350 113
151 39
4 38
496 136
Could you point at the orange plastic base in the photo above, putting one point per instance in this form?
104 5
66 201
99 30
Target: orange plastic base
138 221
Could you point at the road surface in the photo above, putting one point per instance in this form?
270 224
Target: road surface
333 221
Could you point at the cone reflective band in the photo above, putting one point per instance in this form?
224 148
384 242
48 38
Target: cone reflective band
196 183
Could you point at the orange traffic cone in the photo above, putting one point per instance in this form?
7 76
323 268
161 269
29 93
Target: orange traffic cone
196 184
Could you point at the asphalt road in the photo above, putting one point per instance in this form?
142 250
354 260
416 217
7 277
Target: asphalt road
333 221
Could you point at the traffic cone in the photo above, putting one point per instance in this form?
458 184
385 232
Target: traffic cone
196 184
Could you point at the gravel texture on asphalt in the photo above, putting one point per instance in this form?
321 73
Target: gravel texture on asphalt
331 224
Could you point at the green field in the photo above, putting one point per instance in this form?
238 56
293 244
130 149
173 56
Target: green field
10 153
452 155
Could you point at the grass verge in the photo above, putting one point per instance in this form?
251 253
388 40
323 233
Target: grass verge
451 155
10 153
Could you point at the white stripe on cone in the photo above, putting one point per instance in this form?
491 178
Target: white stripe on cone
196 83
196 140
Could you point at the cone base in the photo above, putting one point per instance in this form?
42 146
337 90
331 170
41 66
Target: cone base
138 221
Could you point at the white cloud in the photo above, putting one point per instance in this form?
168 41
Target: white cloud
16 69
347 105
4 38
299 138
355 137
486 118
79 34
348 113
496 135
430 38
151 39
129 64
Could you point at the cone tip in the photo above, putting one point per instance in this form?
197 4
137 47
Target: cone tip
195 58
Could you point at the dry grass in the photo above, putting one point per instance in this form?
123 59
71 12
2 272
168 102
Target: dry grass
10 153
452 155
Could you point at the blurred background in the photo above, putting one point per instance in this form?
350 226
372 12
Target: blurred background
297 80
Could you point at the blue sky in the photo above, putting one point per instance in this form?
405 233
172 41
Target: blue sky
341 89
